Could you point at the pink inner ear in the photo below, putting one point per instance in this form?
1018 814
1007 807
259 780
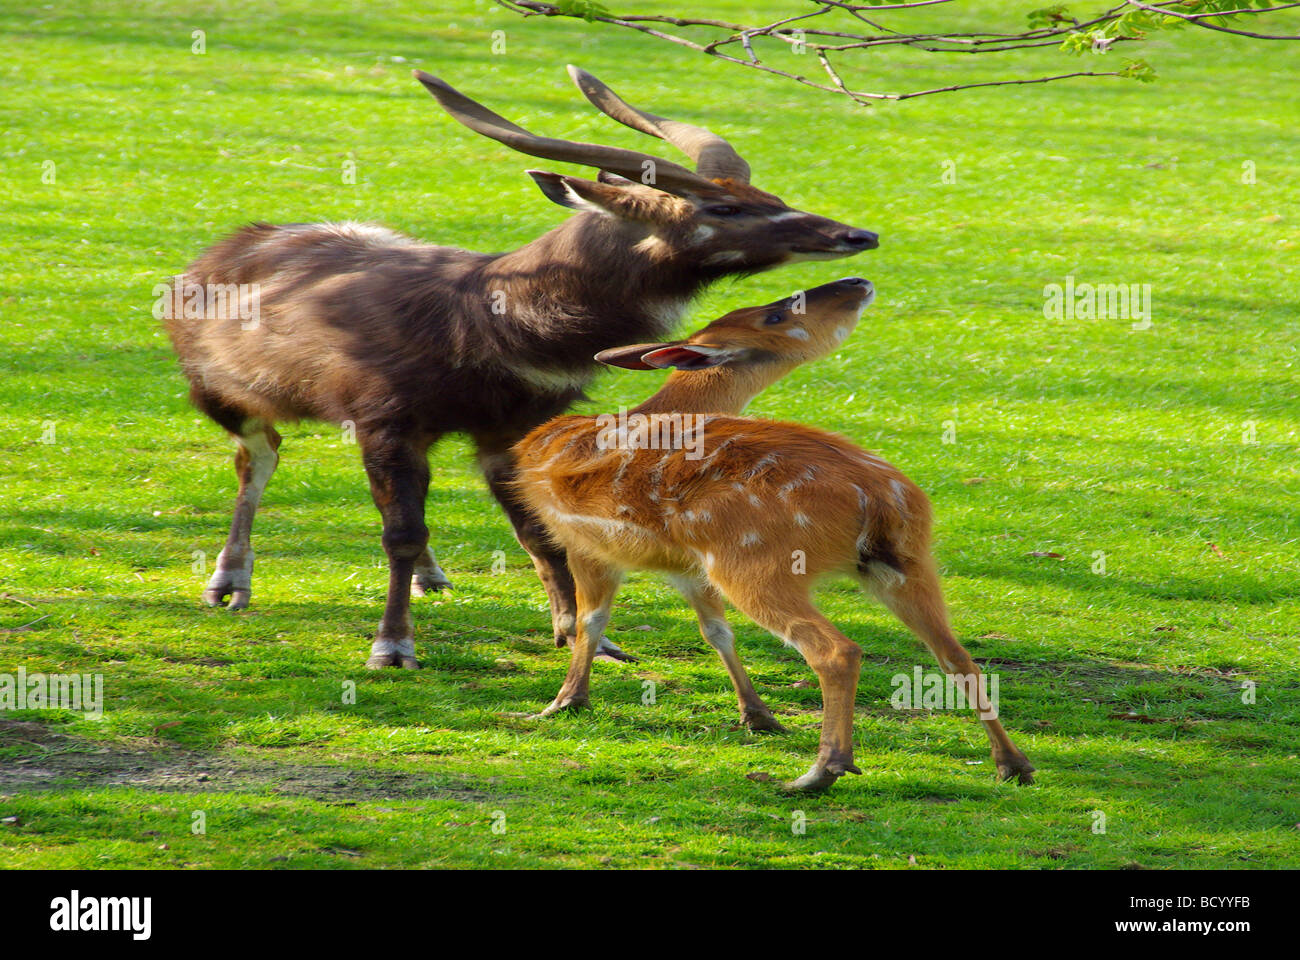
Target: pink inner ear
684 358
627 357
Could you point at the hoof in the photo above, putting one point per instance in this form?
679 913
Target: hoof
1018 768
423 584
608 650
762 722
820 778
571 704
814 781
378 661
216 596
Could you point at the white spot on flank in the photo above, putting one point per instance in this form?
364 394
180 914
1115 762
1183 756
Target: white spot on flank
899 497
801 518
750 539
607 525
628 456
763 463
841 333
798 333
578 434
799 481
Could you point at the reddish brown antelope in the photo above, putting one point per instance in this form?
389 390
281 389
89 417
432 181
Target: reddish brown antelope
758 515
407 341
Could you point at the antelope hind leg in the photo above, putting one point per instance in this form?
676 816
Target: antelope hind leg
255 461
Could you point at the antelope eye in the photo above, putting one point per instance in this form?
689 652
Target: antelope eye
773 318
722 210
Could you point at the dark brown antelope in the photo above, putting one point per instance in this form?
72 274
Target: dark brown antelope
407 341
751 510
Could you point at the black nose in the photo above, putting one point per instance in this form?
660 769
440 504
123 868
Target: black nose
862 239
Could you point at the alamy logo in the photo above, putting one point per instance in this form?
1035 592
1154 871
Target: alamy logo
182 299
938 691
656 431
76 913
1098 301
78 692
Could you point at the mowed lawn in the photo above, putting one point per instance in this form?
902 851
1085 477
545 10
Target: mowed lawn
1116 512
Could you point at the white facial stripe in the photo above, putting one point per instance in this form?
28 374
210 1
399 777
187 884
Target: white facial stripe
790 215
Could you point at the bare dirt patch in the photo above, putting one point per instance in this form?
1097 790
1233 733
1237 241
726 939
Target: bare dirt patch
59 761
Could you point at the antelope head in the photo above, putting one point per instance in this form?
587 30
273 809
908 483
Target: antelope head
722 366
711 216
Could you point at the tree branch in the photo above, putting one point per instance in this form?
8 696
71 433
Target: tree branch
1128 21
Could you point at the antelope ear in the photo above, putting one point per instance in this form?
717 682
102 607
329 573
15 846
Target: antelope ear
576 193
630 357
688 356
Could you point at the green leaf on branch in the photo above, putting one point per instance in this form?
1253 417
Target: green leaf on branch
1138 70
1049 16
589 10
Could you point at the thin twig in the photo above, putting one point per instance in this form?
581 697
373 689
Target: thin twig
1201 20
25 626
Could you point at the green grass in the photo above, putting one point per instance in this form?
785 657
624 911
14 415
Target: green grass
1085 436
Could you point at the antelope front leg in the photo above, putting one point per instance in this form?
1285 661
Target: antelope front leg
707 604
549 560
596 585
399 482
